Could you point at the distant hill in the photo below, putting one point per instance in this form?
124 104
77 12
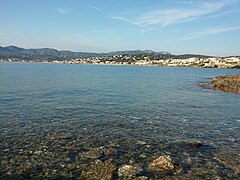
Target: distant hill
185 56
135 52
42 53
53 54
10 49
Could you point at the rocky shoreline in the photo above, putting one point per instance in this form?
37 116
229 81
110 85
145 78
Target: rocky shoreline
228 83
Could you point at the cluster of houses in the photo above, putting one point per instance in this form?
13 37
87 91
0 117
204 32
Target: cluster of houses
226 62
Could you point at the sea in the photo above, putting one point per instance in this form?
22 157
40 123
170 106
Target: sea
58 120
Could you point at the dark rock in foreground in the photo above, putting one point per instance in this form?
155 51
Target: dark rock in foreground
229 83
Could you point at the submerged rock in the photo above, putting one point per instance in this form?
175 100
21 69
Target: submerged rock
230 158
100 170
141 178
128 171
162 164
194 143
92 154
97 152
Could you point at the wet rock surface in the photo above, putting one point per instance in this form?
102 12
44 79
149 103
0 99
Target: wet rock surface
194 143
61 149
72 153
230 158
100 170
162 164
128 171
229 83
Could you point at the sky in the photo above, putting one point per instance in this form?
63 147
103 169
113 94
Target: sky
210 27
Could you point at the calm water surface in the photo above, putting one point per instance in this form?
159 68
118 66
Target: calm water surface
56 119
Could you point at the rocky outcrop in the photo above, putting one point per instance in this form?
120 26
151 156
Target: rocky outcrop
229 83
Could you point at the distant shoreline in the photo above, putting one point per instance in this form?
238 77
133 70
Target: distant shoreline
226 63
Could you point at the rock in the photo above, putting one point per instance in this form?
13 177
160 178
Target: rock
162 164
230 158
92 154
109 151
230 83
194 143
97 152
141 142
143 155
128 171
38 152
200 170
141 178
100 170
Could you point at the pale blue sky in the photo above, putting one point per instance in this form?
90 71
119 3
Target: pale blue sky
179 26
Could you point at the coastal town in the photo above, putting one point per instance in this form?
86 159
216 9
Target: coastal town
145 60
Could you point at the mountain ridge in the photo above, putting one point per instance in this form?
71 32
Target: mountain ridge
54 54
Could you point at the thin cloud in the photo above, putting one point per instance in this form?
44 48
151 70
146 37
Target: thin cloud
63 10
165 17
212 31
96 8
172 16
127 20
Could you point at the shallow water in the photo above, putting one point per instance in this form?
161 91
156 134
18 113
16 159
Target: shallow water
57 119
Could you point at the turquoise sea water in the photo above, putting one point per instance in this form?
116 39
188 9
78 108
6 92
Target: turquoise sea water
140 112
